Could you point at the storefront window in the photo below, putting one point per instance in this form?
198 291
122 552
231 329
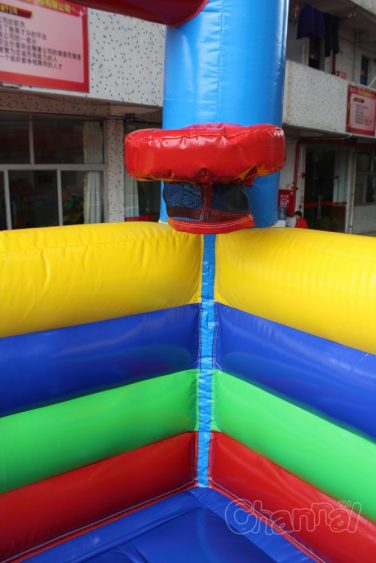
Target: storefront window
3 219
363 162
365 184
364 70
142 199
82 197
33 199
316 59
149 199
60 141
57 179
14 141
371 189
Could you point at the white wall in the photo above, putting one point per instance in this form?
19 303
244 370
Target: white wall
314 99
296 49
345 59
369 5
364 220
352 47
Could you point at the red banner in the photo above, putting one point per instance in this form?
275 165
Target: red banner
361 110
44 43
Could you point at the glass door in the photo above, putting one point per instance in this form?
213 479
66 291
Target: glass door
33 198
326 187
3 216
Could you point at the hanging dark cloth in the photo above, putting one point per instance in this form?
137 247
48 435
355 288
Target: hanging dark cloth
311 23
331 35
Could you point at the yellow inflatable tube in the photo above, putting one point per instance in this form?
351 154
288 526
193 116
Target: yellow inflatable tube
57 277
317 282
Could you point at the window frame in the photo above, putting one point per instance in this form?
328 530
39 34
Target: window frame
364 65
58 168
364 175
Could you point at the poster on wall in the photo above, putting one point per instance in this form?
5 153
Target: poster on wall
361 111
44 43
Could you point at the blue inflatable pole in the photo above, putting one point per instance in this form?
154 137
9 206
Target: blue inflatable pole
227 65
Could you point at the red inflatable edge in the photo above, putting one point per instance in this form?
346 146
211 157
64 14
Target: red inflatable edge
205 153
202 228
323 525
53 509
169 13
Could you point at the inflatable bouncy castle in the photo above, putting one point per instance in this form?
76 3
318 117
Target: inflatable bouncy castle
197 391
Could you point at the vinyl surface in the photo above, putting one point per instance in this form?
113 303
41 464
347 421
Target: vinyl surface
170 13
334 460
46 367
317 282
332 380
64 276
187 527
43 442
331 530
37 513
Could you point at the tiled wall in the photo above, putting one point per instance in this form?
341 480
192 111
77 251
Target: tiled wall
115 170
27 101
126 59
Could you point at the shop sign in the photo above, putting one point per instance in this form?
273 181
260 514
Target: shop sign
44 43
361 110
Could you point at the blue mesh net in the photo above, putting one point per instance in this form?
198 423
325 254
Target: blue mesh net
207 203
183 195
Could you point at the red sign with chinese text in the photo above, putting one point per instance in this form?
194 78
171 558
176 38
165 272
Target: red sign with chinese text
286 199
44 43
361 111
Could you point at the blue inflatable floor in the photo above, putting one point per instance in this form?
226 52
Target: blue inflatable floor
197 526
